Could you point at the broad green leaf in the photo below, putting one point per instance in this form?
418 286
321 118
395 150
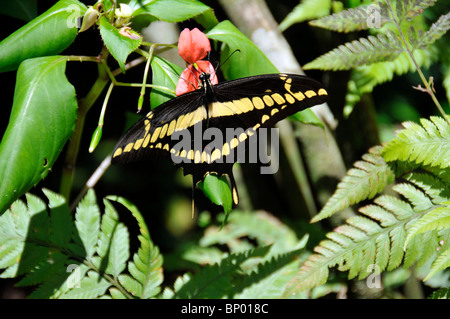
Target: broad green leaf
307 117
218 191
306 10
48 34
173 11
166 74
249 60
119 45
42 119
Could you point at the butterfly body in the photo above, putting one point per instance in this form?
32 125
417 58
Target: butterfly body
184 127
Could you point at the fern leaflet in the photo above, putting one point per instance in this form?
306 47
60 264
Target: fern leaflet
426 144
353 19
368 178
359 52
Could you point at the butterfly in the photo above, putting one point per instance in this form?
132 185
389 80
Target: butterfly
236 110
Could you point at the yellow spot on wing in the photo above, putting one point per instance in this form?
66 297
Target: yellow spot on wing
155 134
215 155
225 149
273 112
129 147
268 100
219 109
171 128
163 131
310 93
118 152
138 143
242 137
278 98
264 118
190 154
146 140
322 92
258 103
234 142
289 98
198 157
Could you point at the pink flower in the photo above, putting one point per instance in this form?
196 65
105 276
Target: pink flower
193 46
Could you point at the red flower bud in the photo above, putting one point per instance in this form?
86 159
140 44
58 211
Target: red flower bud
193 45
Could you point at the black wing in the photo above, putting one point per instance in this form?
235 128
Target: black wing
243 105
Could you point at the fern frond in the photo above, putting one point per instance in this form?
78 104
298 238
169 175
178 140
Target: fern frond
426 144
377 238
364 181
269 280
146 267
353 19
442 293
437 219
359 52
113 243
260 226
363 79
83 263
441 263
406 10
216 281
306 10
436 31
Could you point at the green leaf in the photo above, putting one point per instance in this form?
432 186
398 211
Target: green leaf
437 219
91 286
426 144
354 19
368 178
146 267
218 191
119 45
247 61
114 242
359 52
42 119
306 10
87 221
60 218
307 117
164 10
441 263
436 31
164 73
216 281
48 34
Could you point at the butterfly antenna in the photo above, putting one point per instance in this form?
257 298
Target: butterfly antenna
226 60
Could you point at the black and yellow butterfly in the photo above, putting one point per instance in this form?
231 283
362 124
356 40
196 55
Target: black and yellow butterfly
241 106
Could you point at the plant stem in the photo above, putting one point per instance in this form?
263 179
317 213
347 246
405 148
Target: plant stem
72 151
422 76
